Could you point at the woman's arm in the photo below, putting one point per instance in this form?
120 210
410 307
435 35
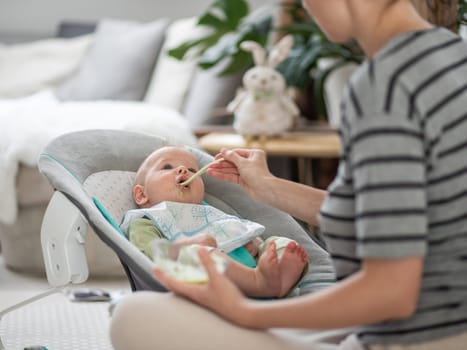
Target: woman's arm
301 201
382 290
248 168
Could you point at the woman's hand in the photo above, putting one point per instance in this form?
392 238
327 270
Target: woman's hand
246 167
219 294
249 169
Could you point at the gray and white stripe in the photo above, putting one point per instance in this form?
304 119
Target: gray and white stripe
401 187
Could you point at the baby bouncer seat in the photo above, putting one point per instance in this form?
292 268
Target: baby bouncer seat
92 172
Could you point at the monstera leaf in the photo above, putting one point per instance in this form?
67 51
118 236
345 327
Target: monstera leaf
300 68
229 23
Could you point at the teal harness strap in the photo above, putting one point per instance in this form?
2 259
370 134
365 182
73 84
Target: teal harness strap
242 256
107 216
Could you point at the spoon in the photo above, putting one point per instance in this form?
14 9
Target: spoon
200 172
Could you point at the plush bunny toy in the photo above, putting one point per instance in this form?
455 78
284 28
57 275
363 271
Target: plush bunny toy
263 107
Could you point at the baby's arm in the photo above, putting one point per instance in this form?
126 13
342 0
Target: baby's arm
141 233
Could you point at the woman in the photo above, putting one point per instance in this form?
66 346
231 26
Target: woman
394 219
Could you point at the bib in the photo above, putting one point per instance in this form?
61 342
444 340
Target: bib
176 220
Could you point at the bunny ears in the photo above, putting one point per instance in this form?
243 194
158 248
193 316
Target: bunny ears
278 52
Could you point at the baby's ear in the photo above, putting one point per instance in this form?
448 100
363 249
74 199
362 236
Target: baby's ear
139 195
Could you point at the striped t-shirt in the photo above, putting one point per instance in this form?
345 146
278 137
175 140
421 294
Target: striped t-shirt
401 187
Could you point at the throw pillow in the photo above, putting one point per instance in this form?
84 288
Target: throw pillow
209 92
119 63
171 77
30 67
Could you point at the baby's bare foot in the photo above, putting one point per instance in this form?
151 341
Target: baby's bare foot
277 276
268 272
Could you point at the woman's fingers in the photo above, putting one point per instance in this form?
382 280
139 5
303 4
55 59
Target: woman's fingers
187 290
235 156
224 166
168 282
221 175
184 287
208 263
218 294
225 171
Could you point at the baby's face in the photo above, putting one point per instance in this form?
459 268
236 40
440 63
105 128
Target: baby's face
169 167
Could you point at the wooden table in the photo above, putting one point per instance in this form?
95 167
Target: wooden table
297 144
304 146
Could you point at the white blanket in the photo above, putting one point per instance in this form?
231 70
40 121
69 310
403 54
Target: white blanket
28 124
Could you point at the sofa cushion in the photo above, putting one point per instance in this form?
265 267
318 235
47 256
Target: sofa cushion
29 67
32 187
119 63
71 29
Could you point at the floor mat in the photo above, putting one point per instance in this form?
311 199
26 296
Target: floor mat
57 323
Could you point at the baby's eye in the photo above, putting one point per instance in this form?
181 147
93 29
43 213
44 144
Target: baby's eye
167 167
192 170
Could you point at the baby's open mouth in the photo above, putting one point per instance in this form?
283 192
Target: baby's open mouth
180 180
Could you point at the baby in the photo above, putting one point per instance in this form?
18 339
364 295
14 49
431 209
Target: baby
159 180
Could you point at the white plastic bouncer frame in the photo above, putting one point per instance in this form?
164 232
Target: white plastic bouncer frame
63 236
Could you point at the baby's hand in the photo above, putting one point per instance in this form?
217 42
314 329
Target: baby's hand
201 239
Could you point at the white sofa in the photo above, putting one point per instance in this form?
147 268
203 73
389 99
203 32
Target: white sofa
117 77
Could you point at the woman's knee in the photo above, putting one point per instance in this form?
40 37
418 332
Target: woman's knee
150 320
131 322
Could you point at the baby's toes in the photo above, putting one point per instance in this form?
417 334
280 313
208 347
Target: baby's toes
271 253
291 247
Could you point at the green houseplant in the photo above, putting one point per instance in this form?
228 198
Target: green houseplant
301 69
462 13
229 22
311 45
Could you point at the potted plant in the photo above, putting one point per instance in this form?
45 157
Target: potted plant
462 13
330 64
462 16
230 22
313 63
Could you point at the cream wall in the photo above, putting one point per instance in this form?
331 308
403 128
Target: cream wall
39 18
